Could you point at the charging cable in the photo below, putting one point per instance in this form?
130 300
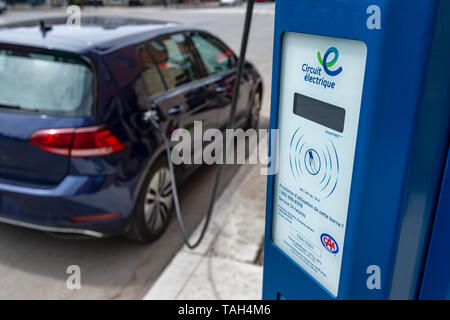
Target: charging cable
152 116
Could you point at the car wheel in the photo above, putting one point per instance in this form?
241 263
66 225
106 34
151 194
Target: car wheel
253 119
155 203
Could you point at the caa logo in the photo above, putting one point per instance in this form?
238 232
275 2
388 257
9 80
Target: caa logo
329 243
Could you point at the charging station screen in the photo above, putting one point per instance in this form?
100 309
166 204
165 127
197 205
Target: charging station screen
321 85
320 112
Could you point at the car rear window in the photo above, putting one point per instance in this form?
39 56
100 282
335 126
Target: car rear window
45 83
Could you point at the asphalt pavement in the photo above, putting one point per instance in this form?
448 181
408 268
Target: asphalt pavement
33 264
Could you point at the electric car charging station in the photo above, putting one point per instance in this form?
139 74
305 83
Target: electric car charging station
358 167
360 206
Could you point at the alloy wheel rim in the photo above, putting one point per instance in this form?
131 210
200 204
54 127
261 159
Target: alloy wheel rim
158 200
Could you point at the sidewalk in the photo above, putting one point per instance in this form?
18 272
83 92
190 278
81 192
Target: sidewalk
227 263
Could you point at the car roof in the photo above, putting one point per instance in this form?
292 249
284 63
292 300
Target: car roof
101 34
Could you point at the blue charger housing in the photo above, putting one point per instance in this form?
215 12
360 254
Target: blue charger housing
401 149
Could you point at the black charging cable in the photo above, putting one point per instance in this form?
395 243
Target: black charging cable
153 118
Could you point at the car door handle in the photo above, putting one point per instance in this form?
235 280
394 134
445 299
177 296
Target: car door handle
175 110
221 89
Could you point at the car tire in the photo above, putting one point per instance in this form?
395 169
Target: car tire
154 207
255 109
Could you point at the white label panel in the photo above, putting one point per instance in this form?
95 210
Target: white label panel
321 84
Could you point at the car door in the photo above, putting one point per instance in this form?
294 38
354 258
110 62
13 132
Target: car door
220 65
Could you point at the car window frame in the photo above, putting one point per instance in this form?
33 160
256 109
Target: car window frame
209 36
195 62
143 45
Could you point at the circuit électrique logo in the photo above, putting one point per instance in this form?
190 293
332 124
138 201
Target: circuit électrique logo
314 74
328 64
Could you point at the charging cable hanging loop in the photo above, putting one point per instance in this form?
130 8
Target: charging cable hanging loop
153 118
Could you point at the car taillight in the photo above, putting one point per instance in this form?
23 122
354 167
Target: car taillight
53 140
77 142
94 141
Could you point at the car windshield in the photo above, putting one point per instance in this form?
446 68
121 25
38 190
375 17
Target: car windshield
45 83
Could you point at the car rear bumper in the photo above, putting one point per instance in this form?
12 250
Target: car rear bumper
78 231
70 207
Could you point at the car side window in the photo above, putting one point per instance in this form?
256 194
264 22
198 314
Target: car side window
216 57
152 80
174 59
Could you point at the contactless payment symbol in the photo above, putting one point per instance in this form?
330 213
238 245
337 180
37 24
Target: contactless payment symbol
315 163
327 63
312 162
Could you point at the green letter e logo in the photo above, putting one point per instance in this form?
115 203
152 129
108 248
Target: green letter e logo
328 64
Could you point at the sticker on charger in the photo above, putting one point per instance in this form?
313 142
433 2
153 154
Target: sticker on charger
318 120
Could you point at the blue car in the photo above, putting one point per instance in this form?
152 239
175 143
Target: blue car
75 157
